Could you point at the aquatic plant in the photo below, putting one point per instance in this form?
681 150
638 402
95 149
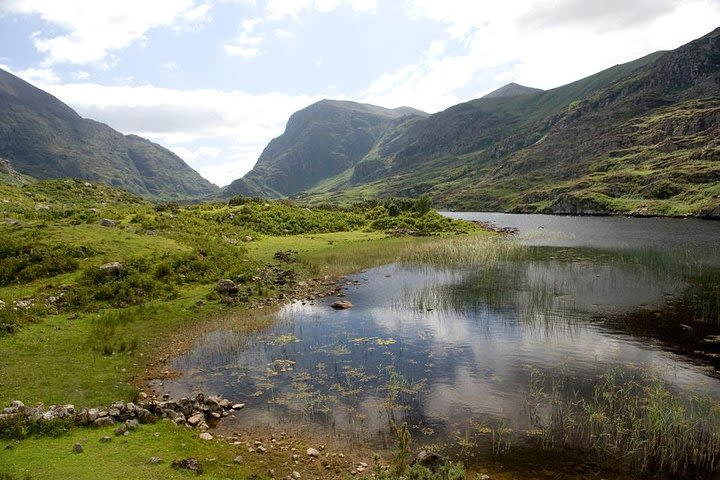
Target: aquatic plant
633 419
467 251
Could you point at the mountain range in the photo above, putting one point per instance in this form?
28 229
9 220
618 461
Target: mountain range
640 138
41 137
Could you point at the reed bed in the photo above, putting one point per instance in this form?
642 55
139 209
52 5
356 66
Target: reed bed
632 419
467 251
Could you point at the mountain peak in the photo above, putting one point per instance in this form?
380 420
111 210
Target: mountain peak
512 90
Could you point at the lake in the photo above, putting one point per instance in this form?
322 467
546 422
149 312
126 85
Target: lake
472 352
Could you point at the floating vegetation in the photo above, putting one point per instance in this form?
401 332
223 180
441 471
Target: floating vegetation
381 342
285 339
335 349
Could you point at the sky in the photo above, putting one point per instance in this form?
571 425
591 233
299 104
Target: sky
215 80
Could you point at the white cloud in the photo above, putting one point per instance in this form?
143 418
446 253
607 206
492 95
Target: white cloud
246 43
36 75
93 29
497 41
219 133
280 9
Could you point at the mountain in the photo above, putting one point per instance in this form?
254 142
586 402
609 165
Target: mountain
512 90
44 138
319 142
639 138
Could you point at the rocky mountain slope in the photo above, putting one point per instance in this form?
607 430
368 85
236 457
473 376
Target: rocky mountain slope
639 138
319 142
44 138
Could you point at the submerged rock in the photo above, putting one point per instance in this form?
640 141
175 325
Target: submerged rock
430 460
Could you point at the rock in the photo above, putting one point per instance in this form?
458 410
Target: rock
188 464
313 453
105 439
227 287
238 406
17 404
430 460
295 475
154 460
131 424
239 460
77 448
145 416
40 206
341 305
195 419
113 268
104 422
205 436
106 222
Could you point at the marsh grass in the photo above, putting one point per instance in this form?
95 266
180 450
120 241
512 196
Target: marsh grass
475 250
631 419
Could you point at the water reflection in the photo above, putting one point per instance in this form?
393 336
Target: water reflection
446 346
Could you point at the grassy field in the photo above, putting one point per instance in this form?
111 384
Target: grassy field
72 333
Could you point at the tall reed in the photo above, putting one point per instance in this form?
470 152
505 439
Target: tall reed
631 419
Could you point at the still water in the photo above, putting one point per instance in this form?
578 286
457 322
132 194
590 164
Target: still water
446 348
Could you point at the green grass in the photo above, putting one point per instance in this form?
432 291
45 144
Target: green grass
124 457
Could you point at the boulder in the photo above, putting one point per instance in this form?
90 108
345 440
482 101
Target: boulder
226 287
113 268
195 419
341 305
104 422
188 464
106 222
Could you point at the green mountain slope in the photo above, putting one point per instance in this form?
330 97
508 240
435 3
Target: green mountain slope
512 90
319 142
44 138
638 138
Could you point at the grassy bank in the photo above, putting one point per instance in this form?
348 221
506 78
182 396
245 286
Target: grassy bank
72 332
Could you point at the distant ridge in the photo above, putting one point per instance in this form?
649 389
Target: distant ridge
43 138
512 90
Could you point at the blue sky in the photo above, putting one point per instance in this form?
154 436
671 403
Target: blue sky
215 80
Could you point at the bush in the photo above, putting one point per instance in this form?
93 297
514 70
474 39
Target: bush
22 261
